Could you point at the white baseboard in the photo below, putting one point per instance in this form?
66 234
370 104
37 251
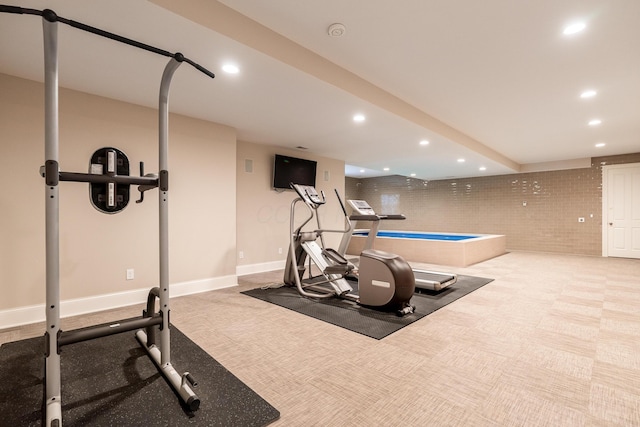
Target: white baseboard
243 270
203 285
21 316
74 307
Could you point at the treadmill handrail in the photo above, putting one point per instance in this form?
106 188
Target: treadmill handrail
376 217
393 216
357 217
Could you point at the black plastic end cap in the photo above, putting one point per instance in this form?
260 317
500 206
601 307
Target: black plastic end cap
193 403
49 15
191 380
178 57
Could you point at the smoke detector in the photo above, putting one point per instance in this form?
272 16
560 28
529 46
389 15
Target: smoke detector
336 30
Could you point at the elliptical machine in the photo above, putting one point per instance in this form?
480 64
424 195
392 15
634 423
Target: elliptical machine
385 280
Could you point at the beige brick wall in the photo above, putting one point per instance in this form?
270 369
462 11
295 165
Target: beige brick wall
495 205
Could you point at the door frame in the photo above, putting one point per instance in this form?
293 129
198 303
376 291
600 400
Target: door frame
605 200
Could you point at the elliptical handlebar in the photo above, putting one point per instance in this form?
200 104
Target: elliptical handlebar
292 216
344 210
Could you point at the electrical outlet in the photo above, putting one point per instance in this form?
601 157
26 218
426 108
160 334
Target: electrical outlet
130 274
581 219
280 250
241 254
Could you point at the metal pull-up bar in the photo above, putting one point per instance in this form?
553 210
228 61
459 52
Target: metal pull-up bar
51 16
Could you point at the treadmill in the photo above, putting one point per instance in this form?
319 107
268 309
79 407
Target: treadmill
362 211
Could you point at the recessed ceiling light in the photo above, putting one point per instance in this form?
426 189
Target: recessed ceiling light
574 28
600 144
359 118
385 169
588 94
413 174
230 69
424 142
482 168
595 122
460 160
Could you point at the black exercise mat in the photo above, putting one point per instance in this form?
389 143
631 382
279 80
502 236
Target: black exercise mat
111 381
363 320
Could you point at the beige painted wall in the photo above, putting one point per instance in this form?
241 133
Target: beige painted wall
96 249
495 205
263 213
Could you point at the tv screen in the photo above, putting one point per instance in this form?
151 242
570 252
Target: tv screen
290 169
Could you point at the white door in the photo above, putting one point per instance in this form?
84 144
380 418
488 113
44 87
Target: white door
622 210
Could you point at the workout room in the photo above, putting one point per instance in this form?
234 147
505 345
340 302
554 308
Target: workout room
462 246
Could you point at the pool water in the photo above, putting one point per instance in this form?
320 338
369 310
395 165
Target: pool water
417 235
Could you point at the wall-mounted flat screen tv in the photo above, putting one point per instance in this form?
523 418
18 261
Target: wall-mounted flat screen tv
291 169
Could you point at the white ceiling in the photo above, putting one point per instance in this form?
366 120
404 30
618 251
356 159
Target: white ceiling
494 82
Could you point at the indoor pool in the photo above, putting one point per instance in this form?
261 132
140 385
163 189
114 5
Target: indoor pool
454 249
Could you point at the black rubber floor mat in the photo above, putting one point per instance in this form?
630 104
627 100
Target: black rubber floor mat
111 381
363 320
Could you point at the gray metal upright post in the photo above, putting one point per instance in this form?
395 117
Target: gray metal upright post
163 129
53 404
162 356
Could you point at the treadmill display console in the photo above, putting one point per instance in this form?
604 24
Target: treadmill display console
361 207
